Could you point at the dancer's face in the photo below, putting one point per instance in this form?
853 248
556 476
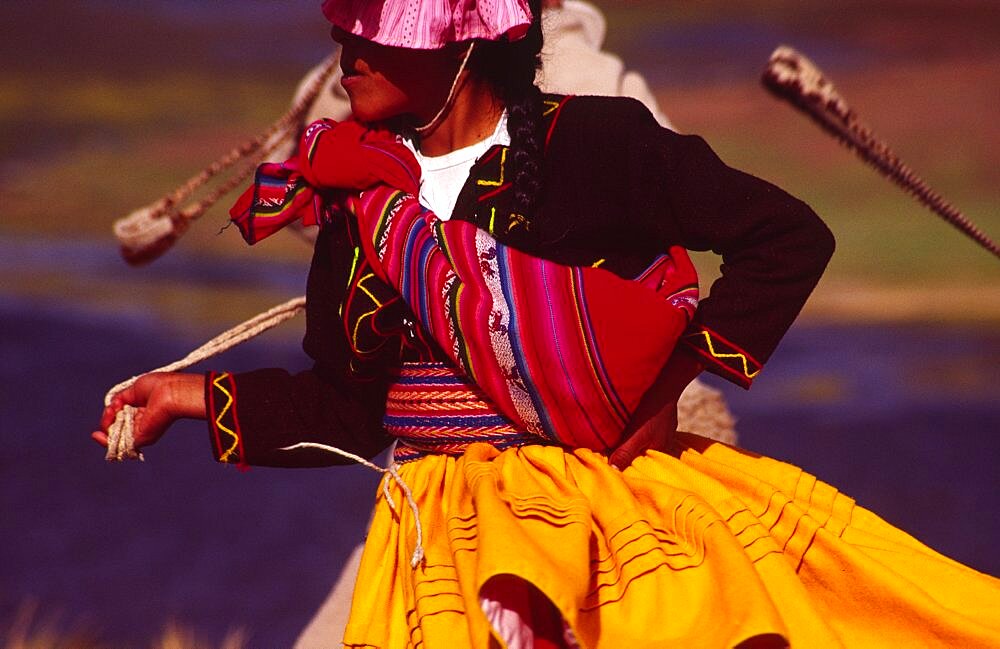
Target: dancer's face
394 83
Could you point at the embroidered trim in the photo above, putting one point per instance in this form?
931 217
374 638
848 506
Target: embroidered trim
377 323
557 108
737 364
228 449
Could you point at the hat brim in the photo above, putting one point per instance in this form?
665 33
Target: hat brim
430 24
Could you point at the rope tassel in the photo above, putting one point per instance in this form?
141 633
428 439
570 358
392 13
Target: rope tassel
390 472
792 77
149 231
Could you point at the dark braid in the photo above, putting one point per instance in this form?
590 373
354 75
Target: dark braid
511 68
524 119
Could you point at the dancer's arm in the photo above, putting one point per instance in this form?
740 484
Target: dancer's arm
611 160
253 415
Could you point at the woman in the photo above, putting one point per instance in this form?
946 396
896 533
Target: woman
500 285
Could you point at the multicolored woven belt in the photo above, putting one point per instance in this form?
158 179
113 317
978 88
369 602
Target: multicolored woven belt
432 408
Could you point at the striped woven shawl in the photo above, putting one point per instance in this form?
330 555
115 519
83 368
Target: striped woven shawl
563 352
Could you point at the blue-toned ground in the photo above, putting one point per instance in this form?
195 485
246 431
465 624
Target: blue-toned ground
903 419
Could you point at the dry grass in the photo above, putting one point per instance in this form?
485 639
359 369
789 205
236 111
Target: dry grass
30 631
895 259
103 141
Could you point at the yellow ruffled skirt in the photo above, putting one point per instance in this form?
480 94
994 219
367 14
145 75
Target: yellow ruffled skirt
708 546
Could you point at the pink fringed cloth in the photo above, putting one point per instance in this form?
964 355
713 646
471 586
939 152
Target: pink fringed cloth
563 353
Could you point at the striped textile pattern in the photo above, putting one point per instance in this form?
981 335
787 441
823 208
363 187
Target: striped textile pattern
434 408
565 353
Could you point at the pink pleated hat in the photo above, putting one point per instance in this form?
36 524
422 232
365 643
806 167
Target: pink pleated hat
429 24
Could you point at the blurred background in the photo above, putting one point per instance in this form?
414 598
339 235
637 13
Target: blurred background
887 386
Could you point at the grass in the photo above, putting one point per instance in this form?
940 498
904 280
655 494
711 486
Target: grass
888 244
80 153
28 630
196 308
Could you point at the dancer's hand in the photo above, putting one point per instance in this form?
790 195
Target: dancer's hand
161 399
655 420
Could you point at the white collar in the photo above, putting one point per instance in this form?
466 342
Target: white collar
463 155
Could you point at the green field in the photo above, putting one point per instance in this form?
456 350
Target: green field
86 141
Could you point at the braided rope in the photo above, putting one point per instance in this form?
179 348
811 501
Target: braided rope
149 231
392 471
121 438
238 178
794 78
121 441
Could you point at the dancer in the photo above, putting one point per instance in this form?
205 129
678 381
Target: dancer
500 284
573 62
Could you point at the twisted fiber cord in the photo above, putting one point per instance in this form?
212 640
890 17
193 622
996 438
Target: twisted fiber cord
145 233
465 408
392 472
286 121
121 442
430 371
150 231
420 130
446 399
435 431
237 179
794 78
442 395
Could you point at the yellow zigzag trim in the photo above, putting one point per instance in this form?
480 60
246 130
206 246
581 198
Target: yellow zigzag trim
224 457
361 285
550 106
742 357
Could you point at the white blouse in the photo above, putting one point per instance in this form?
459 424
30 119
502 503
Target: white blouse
442 177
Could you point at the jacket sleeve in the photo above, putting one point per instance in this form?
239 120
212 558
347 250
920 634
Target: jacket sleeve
252 416
674 190
774 248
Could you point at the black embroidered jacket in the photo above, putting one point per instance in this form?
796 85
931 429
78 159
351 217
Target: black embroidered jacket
618 189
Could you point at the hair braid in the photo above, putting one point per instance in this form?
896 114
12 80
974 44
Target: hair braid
524 120
511 67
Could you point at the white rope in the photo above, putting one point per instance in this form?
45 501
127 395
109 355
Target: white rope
392 471
149 231
794 78
121 440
